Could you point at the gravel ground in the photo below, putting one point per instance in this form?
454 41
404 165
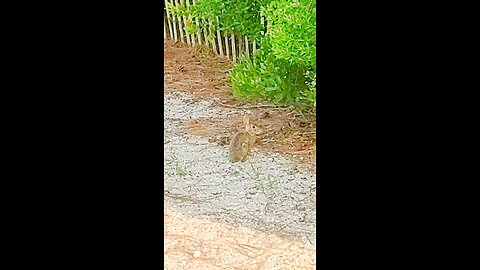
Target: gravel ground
266 192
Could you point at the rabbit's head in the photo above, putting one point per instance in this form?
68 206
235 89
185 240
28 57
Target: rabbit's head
250 128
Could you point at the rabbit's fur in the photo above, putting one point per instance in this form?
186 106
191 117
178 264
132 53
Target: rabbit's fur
242 142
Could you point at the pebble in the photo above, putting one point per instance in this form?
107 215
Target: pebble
197 254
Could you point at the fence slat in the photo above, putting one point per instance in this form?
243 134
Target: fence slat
187 36
262 22
175 36
170 28
219 38
179 21
197 22
247 51
233 48
192 36
214 42
227 46
164 27
204 21
240 45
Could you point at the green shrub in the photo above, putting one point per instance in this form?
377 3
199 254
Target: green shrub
292 30
270 78
284 70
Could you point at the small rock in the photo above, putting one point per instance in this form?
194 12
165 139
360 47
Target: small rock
197 254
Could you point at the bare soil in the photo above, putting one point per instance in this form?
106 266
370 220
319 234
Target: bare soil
191 243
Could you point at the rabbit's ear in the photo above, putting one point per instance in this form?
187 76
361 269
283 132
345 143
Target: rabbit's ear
246 120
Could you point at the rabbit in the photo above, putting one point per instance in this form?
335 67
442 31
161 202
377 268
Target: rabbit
243 141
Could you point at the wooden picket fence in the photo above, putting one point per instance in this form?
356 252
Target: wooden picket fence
230 46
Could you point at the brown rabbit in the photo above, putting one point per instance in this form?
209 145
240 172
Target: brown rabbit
243 142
